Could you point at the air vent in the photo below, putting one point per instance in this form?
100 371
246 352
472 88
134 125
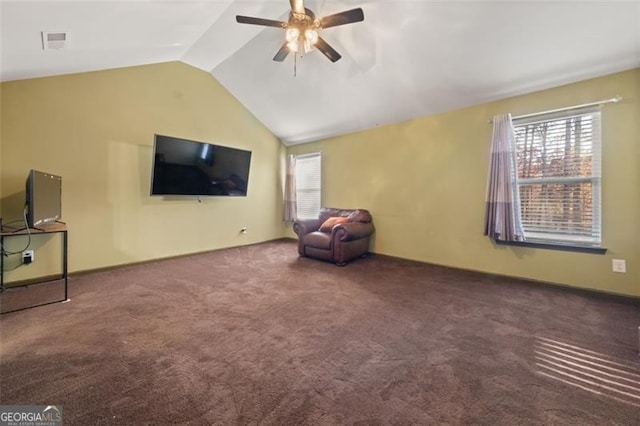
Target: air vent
53 41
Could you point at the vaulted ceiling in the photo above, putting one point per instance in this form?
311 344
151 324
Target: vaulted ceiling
409 58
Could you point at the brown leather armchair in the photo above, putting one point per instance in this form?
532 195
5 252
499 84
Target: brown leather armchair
337 235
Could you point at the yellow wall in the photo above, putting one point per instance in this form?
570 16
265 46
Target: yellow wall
424 182
0 150
96 131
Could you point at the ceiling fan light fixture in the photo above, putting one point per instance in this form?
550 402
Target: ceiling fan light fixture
293 45
311 36
292 34
308 47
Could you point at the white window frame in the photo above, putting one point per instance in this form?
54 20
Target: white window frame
308 185
551 235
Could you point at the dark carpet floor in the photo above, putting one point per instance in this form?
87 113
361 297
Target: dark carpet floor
257 335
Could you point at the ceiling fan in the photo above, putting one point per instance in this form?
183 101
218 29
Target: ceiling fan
302 29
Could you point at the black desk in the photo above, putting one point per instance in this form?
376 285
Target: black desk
6 232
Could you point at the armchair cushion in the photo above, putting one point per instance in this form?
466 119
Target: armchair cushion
332 221
360 216
321 240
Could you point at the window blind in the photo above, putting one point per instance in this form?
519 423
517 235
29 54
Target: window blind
308 185
558 176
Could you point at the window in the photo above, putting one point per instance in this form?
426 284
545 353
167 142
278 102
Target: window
308 185
558 177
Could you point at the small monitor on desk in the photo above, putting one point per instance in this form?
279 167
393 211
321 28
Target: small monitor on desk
44 199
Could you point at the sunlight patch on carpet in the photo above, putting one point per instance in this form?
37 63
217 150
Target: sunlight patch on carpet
592 371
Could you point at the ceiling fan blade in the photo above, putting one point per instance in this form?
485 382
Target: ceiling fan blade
327 50
342 18
259 21
297 6
282 53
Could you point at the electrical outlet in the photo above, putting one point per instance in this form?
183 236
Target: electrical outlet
619 265
27 257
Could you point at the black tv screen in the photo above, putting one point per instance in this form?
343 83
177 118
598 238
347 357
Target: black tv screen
44 198
187 167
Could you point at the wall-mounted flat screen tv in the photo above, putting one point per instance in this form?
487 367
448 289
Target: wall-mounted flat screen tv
187 167
44 199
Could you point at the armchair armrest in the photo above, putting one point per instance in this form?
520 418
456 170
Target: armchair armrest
353 230
304 227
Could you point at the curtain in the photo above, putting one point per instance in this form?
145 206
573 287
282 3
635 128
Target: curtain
502 212
290 190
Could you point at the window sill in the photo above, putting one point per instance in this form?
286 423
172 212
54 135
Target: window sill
549 246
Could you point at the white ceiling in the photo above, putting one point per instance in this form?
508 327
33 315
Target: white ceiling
409 58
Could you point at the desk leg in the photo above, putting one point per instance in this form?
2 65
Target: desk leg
65 272
1 259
